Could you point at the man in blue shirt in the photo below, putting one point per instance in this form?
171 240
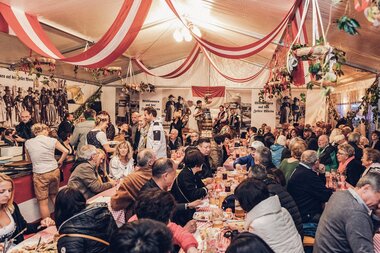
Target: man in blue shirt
248 160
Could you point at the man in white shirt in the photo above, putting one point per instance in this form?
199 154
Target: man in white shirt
156 135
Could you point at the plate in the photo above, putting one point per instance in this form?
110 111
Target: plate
202 216
205 204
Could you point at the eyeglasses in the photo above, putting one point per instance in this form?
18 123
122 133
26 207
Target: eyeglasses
341 153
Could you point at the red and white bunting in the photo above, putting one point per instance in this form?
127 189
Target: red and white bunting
240 51
114 43
236 80
299 75
177 72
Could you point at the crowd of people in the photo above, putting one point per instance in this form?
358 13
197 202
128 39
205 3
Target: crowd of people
162 178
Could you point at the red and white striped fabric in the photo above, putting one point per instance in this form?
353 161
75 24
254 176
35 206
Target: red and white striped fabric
240 51
115 42
299 76
236 80
177 72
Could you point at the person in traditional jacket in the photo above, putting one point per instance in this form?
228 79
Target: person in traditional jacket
169 108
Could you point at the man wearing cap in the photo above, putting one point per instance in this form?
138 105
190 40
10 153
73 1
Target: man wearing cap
248 159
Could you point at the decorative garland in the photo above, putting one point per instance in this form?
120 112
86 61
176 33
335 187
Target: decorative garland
34 65
278 83
371 98
88 103
139 88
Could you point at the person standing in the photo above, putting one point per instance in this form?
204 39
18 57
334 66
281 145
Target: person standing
220 120
79 137
199 115
350 218
234 122
46 174
156 135
66 125
97 136
169 109
24 129
134 126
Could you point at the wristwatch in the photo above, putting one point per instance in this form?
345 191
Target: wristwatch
186 206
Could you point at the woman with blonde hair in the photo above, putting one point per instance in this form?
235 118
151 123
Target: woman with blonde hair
121 163
97 136
348 165
46 174
287 166
11 220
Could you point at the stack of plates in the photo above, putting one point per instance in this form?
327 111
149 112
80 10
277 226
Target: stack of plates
5 159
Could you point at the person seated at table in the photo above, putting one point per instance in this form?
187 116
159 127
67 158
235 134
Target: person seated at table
204 145
125 133
85 177
287 166
307 186
371 160
130 186
350 218
163 176
192 138
353 139
266 218
46 174
259 172
188 185
174 141
8 137
142 236
11 220
82 228
247 243
159 205
121 164
263 156
326 153
226 138
66 143
277 149
216 151
248 160
348 164
97 136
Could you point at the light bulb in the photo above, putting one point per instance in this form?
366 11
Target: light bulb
178 36
188 37
196 31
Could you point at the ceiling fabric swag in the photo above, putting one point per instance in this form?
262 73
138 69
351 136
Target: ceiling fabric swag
240 51
236 80
114 42
183 68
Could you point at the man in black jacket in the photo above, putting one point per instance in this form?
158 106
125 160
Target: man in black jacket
307 186
66 125
24 129
204 145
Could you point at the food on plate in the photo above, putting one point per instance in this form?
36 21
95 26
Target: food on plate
46 247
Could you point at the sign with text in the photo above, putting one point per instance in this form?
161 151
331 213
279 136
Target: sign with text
151 99
263 112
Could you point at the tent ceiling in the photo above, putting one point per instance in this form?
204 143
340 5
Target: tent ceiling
71 23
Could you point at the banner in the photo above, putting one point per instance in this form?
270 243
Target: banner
263 112
315 107
151 99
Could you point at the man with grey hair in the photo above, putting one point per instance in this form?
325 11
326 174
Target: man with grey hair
84 176
350 219
307 186
174 140
326 153
130 186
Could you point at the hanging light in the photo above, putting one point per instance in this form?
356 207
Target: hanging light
196 31
188 36
177 35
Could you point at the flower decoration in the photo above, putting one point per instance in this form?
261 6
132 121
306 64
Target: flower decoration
34 65
139 87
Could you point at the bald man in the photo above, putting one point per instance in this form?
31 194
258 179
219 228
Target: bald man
326 153
24 129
